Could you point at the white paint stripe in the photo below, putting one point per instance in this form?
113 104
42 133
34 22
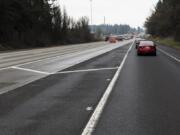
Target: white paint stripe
88 130
86 70
31 70
176 59
5 68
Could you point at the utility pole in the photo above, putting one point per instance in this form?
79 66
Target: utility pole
91 15
104 20
104 25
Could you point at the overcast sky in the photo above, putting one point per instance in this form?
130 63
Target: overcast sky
132 12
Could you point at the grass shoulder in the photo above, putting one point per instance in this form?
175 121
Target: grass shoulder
167 41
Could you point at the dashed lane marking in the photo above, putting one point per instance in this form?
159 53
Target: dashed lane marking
89 108
108 79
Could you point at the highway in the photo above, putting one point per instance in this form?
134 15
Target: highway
22 67
90 89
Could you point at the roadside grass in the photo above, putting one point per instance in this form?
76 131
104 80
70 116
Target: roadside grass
168 42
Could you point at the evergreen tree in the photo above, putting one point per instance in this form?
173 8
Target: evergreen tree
33 23
165 19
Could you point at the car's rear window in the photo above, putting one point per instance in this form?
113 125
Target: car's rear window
146 44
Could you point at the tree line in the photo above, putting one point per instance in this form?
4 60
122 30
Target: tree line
37 23
116 29
165 20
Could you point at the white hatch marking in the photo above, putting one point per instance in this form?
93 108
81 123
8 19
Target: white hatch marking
31 70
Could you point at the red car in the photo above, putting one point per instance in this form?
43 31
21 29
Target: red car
112 39
146 47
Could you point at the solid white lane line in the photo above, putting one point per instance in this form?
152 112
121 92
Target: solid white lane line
168 54
86 70
88 130
31 70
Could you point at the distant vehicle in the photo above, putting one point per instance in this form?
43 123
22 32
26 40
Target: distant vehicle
107 38
127 37
112 39
137 41
146 47
119 38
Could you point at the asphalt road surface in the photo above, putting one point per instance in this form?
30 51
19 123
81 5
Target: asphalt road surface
144 100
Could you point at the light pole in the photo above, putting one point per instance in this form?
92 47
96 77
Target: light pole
91 16
104 20
104 25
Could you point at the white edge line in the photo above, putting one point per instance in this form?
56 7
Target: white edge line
30 70
176 59
86 70
88 130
